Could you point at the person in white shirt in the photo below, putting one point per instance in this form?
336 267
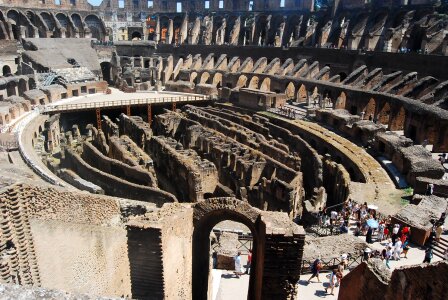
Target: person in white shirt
398 249
238 271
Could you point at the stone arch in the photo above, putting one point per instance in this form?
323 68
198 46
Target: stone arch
31 83
77 21
204 77
105 69
206 214
193 77
242 80
290 91
164 24
6 70
22 86
48 21
265 85
177 24
370 109
11 88
253 83
63 20
340 101
302 94
217 80
397 120
13 16
383 115
96 27
136 36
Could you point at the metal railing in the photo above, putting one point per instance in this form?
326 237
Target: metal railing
330 263
122 103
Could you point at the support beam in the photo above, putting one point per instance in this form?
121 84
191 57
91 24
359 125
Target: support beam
128 110
98 119
149 111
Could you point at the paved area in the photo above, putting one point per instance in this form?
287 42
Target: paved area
118 98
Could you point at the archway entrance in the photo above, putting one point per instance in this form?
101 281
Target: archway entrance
276 258
6 70
202 251
231 245
105 69
136 36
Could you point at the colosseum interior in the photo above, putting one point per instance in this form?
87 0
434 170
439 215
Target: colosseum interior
149 149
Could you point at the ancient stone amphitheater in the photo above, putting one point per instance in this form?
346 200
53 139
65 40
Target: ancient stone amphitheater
130 129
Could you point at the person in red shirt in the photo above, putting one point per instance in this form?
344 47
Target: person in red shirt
249 261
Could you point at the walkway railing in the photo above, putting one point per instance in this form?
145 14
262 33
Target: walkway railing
439 247
331 263
122 103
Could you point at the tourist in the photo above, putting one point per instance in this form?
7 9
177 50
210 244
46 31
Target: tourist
380 231
320 216
430 189
333 217
237 259
397 250
388 256
341 268
439 231
386 232
428 255
215 259
369 235
406 247
332 281
343 228
315 269
367 252
249 261
383 254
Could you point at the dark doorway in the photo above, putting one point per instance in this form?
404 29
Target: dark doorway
6 70
105 69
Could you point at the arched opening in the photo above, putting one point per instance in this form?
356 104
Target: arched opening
6 70
202 248
136 36
302 94
342 76
265 85
96 27
193 77
370 110
204 78
11 89
227 240
105 69
290 91
384 114
22 87
217 80
241 81
340 101
397 120
253 83
32 84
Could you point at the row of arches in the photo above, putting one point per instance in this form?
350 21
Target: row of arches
379 111
29 24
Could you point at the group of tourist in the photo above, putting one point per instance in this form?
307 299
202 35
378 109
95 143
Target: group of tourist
238 264
288 112
334 277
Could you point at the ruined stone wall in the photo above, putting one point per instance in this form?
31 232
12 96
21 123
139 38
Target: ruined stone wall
336 182
425 281
133 174
139 131
115 186
73 241
366 281
194 177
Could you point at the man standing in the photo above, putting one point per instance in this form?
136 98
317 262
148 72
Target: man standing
249 262
237 259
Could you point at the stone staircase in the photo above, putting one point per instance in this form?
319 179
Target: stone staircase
18 262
